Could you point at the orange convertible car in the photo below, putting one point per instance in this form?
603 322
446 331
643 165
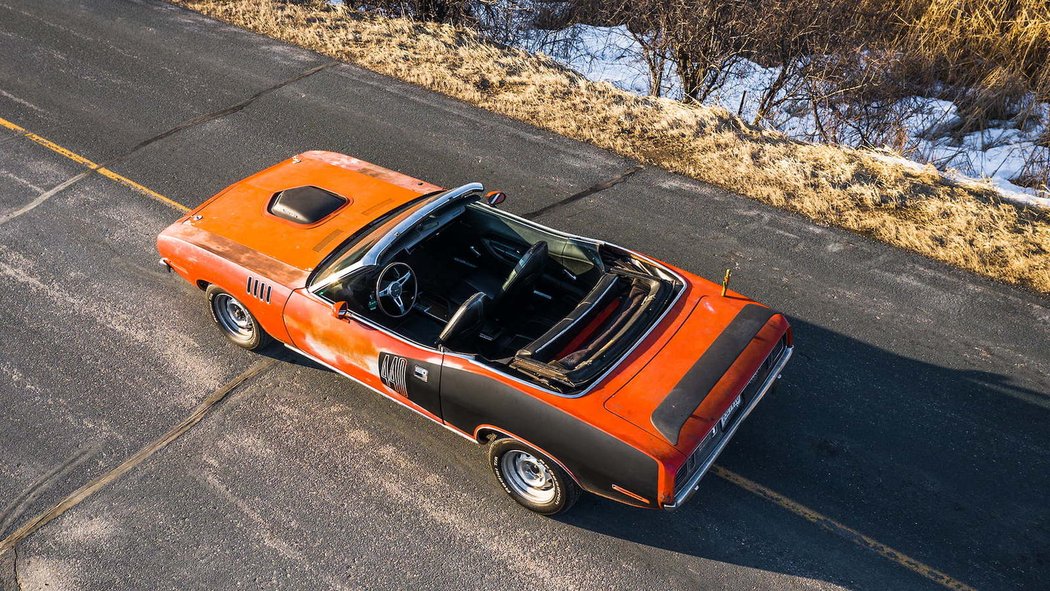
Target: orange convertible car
582 365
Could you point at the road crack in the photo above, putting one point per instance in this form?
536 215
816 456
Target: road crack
16 507
602 186
9 572
103 167
207 117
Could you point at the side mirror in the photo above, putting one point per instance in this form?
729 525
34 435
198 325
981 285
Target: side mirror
494 198
340 310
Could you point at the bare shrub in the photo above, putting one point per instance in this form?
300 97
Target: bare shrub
992 55
438 11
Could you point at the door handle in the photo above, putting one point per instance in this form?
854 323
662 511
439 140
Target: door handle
420 373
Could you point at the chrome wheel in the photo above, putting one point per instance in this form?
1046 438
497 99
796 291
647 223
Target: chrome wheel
233 316
527 476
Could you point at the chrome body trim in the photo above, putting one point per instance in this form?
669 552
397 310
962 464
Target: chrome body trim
467 189
694 481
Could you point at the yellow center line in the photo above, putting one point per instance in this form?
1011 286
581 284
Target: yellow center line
839 529
753 487
87 163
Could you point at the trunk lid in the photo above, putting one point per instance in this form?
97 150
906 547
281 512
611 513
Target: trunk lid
699 373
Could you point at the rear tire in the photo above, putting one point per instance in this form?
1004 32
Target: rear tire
235 321
531 478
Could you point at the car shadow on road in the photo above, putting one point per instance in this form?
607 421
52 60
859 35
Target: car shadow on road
947 465
915 455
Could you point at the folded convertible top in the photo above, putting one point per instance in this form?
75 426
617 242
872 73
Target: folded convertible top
603 327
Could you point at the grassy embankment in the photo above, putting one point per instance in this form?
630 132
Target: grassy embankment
963 225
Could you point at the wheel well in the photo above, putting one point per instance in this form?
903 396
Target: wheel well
488 435
202 284
491 434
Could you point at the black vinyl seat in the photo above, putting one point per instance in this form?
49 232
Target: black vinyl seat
524 275
521 280
544 347
465 325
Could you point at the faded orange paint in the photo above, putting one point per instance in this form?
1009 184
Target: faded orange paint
239 212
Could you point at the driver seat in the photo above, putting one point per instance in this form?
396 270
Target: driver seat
520 281
524 274
465 324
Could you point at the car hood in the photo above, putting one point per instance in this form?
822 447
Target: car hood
239 219
694 376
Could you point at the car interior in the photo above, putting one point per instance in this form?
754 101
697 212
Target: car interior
545 307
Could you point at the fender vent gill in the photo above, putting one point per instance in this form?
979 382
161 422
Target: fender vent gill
259 289
305 205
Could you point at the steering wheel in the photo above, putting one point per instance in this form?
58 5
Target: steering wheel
396 286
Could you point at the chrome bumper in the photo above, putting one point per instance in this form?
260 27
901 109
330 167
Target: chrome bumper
694 481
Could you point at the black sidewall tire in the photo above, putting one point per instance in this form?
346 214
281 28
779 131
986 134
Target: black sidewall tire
566 489
259 338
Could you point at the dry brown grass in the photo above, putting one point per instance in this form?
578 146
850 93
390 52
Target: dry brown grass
963 33
962 225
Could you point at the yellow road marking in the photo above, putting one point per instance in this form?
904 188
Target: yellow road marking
141 189
839 529
50 145
87 163
770 495
11 126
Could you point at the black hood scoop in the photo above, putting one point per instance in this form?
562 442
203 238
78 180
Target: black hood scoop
305 205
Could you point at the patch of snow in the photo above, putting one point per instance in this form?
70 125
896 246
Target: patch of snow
995 157
602 54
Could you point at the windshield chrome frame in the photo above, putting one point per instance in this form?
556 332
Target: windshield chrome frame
371 258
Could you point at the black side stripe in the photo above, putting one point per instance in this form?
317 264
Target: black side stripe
693 388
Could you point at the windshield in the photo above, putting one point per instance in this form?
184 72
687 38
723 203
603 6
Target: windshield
355 247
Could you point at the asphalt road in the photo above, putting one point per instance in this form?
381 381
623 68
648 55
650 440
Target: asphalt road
916 410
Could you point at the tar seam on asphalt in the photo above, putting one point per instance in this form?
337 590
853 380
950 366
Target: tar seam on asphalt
768 494
15 508
77 496
103 168
616 180
45 196
201 119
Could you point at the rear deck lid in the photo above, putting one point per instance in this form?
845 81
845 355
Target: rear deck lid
698 373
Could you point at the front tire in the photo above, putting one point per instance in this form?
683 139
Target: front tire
531 478
235 321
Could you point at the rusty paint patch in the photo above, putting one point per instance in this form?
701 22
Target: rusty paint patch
372 170
238 253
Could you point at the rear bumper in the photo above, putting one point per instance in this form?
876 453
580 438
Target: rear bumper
693 483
